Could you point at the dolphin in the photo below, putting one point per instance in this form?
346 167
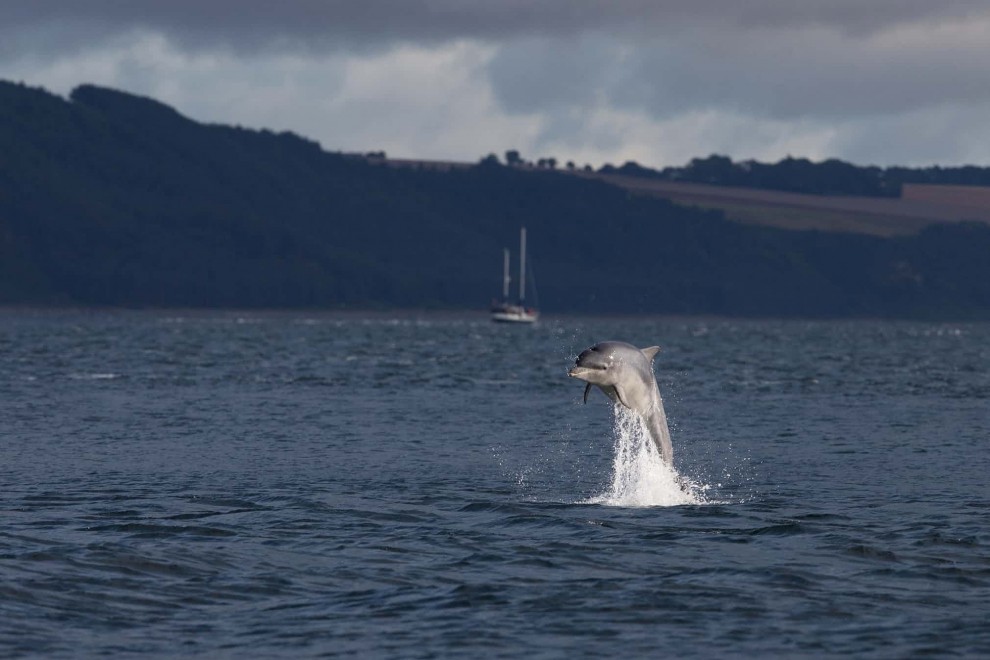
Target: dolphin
625 374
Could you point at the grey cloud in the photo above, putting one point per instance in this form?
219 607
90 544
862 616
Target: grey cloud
884 76
532 75
939 134
796 74
806 75
329 23
771 58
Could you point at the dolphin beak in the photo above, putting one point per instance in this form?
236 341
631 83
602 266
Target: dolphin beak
579 371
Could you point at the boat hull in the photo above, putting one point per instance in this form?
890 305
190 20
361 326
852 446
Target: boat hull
514 314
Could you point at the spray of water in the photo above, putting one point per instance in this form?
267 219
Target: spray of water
639 476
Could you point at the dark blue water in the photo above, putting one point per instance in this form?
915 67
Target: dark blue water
298 485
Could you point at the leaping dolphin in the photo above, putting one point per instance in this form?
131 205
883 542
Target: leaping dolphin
625 374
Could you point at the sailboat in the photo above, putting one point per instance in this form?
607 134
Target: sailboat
506 311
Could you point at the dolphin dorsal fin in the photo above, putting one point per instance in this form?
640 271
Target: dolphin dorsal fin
650 352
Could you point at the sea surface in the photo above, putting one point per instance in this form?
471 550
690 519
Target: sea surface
230 484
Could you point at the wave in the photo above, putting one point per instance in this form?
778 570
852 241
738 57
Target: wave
640 478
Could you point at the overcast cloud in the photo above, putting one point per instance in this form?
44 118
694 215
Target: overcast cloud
659 82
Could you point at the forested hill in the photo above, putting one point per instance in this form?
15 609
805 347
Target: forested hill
111 199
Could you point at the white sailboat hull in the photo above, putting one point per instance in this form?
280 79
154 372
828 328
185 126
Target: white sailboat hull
514 314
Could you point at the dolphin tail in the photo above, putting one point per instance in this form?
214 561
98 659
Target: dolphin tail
656 422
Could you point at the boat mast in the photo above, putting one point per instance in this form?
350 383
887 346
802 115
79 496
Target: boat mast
505 274
522 265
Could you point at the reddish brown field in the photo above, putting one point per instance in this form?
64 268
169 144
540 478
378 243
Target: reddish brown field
923 206
970 197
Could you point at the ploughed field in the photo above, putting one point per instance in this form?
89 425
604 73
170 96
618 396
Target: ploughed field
920 205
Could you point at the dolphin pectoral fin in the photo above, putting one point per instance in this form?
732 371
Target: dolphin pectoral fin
587 389
650 352
620 398
609 391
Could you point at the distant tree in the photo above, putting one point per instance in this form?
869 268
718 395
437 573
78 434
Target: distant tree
552 163
632 168
491 160
570 165
715 169
513 158
588 167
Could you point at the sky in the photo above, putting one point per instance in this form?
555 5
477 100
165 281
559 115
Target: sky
659 82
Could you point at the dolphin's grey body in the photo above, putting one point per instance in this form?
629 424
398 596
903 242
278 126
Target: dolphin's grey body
625 374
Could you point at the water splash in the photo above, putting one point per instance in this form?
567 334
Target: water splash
639 476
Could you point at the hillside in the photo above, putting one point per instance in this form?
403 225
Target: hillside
111 199
918 206
913 207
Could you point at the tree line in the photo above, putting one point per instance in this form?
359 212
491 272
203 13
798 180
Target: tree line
799 175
